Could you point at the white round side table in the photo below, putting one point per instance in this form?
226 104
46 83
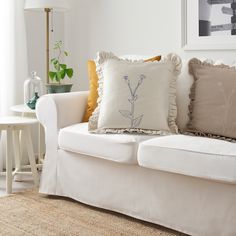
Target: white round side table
23 109
13 125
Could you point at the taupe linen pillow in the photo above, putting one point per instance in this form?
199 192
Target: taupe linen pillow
212 109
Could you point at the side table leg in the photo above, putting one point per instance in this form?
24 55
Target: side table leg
31 155
17 153
9 161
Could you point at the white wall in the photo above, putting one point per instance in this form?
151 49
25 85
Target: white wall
126 27
77 24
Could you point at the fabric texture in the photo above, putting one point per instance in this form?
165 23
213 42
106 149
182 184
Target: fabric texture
188 155
93 87
119 148
212 109
136 96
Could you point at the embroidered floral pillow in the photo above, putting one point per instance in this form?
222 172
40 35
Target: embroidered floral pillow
213 100
136 96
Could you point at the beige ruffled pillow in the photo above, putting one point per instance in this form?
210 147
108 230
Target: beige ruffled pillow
135 96
213 100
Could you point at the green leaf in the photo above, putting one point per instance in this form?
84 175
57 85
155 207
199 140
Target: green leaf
69 72
63 66
52 75
57 66
60 74
63 74
53 59
57 79
66 53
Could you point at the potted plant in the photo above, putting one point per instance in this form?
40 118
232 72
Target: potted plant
60 72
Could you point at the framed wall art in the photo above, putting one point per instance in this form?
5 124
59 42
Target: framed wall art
209 24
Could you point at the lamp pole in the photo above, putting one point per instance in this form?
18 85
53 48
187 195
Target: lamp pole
47 10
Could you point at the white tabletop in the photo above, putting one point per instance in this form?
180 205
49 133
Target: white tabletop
22 108
16 120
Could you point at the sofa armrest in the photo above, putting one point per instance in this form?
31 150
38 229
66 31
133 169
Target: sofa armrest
55 111
61 110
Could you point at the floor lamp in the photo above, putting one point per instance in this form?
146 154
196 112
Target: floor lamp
47 6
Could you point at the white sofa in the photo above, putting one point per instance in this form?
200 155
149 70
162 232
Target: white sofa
182 182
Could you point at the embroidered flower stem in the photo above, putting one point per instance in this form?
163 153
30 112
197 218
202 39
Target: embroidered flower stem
134 121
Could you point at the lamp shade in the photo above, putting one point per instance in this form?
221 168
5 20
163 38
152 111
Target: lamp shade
37 5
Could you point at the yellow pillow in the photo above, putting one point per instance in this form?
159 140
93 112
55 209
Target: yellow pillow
93 90
93 87
156 58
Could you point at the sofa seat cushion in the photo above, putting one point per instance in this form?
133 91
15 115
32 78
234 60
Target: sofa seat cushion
193 156
114 147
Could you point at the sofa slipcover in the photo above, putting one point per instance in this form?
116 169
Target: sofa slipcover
193 156
114 147
192 205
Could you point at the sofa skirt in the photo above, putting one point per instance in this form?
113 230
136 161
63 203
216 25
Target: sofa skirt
191 205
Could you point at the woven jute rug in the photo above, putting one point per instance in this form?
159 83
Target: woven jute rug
30 213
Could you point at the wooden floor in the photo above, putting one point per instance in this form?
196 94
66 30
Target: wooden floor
26 183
